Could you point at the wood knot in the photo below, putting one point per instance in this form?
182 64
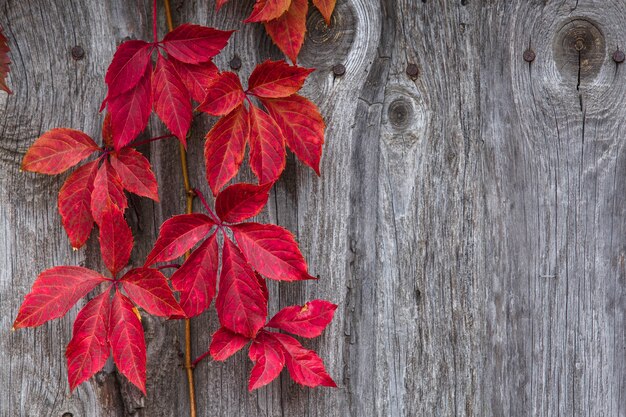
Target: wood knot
579 49
399 113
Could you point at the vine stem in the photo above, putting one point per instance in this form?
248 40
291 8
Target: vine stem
154 21
190 195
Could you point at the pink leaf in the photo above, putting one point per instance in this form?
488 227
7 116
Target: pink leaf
305 367
194 43
268 356
267 146
241 201
127 67
225 343
308 320
107 190
116 239
148 289
135 174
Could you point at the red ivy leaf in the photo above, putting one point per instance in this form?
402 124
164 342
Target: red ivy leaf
268 356
172 102
58 150
275 79
326 8
107 190
224 148
116 239
4 62
196 279
272 251
135 173
148 288
267 146
54 292
265 10
225 343
219 4
308 320
305 367
240 304
127 67
196 77
239 202
127 341
88 350
75 204
224 95
193 44
107 131
302 125
287 31
177 235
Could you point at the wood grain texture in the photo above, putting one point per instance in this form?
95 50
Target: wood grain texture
470 223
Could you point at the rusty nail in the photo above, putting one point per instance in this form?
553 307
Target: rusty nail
78 52
529 55
618 56
235 63
339 70
412 71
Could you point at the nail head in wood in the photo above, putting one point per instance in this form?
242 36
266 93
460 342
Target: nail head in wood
78 53
618 56
339 70
412 71
529 55
235 63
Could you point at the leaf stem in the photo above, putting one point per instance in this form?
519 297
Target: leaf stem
199 358
168 266
206 206
154 21
143 142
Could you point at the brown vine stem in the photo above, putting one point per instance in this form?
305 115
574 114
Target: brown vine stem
190 195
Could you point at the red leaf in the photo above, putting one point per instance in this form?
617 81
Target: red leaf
116 239
305 367
326 8
224 95
268 356
287 31
4 62
225 344
88 350
177 235
224 148
135 173
274 79
172 102
194 43
265 10
127 67
131 110
267 146
240 304
107 190
263 285
271 250
196 279
58 150
107 131
241 201
75 203
196 77
54 292
148 289
127 341
308 320
302 125
219 4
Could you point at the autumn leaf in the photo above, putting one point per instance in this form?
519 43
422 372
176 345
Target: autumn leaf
268 356
241 201
128 66
224 95
116 239
275 79
148 288
107 189
134 172
305 367
267 146
193 44
225 343
57 150
308 320
326 8
265 10
288 30
196 77
74 203
4 62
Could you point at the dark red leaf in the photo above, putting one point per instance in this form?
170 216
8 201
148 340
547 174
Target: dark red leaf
241 201
196 77
326 8
148 289
224 95
265 10
267 146
240 304
305 367
88 350
268 356
172 102
287 31
116 239
263 285
4 62
135 174
75 203
225 343
177 235
308 320
272 251
302 125
194 43
127 341
224 148
58 150
128 66
196 279
275 79
107 190
107 131
54 292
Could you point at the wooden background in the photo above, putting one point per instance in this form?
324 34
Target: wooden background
470 223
